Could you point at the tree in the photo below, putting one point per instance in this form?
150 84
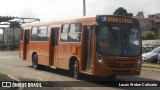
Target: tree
156 29
148 36
130 14
123 12
120 11
158 34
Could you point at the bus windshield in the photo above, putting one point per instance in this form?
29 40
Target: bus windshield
118 40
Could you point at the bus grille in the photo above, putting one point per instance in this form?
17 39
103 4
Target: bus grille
117 65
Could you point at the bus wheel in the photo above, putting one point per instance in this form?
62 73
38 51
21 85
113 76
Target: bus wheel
74 70
35 61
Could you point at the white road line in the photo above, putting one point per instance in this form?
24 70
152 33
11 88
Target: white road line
9 57
15 68
13 57
13 78
5 57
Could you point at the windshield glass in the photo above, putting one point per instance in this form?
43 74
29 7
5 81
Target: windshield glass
118 40
156 50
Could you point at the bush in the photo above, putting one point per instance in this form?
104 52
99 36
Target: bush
148 36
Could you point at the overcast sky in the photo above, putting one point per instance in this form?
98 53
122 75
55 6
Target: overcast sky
48 10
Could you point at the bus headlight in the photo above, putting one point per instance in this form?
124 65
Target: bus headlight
139 64
99 58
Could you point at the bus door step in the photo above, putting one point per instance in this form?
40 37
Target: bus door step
54 67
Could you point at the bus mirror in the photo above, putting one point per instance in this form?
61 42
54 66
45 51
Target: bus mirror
96 31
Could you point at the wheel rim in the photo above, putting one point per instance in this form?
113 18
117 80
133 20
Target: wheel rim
34 61
75 69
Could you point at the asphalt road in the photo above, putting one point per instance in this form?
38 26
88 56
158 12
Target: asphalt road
20 70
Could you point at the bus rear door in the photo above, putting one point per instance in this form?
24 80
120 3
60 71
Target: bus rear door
25 44
54 45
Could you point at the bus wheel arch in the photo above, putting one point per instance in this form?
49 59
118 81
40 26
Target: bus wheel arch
74 67
35 64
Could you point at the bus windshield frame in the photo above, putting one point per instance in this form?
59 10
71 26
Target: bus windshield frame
118 40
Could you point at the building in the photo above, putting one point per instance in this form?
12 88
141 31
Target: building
140 14
145 23
11 37
155 18
10 26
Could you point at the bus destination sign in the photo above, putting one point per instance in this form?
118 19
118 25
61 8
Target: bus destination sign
111 19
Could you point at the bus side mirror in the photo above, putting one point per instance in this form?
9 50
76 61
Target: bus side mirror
96 31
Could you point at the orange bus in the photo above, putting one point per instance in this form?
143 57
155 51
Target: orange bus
105 45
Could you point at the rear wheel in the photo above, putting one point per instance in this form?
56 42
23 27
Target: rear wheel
35 61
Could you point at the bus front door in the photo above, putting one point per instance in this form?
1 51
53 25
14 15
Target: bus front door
54 45
87 47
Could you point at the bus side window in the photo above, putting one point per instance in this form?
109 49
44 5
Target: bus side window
75 32
64 33
34 33
42 33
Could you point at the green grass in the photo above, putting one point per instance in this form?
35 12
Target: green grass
151 68
151 63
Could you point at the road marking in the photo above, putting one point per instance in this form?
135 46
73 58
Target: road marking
9 57
4 57
15 68
13 57
13 78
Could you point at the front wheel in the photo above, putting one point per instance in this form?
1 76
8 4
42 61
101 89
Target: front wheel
74 70
35 61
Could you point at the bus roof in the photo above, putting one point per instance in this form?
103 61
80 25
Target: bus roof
82 19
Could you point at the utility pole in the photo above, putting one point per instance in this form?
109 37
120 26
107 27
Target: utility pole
13 40
3 38
84 7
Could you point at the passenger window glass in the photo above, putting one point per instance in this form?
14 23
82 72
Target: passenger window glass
64 33
49 31
64 37
42 33
34 30
75 32
74 37
34 34
65 28
75 28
